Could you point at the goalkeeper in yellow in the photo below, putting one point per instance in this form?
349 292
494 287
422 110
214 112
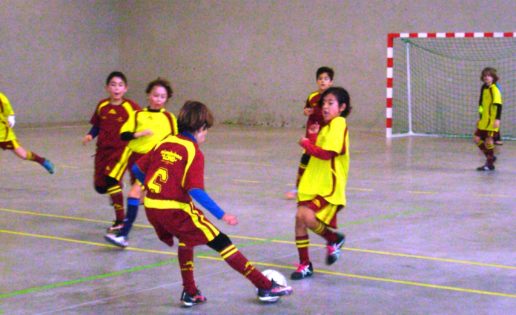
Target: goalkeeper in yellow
8 139
490 109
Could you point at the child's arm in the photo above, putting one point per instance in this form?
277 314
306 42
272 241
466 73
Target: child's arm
127 135
202 197
94 131
498 115
313 150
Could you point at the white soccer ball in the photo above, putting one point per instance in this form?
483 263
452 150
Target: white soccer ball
275 275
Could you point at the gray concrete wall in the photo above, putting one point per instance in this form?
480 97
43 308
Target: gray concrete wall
55 55
251 61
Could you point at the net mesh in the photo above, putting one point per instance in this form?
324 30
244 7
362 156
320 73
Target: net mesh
445 84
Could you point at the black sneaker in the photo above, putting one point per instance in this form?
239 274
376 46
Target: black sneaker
274 293
191 300
116 227
334 249
303 271
485 168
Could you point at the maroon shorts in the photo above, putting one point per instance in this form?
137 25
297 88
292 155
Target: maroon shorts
191 227
484 134
324 211
8 145
105 160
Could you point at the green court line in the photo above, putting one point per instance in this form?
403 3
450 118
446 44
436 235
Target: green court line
84 279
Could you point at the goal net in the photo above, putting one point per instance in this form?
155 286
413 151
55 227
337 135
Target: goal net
433 82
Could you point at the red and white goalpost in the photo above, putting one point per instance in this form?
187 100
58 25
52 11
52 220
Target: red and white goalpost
452 52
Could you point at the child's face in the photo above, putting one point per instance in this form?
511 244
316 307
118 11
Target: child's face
200 135
116 89
331 108
157 97
324 81
488 79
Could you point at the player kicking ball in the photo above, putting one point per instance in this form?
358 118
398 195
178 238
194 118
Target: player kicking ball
173 175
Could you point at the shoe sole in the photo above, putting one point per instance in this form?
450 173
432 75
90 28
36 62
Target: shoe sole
304 277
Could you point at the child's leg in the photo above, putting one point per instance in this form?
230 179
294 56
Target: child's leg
133 201
186 264
31 156
117 199
233 257
481 145
489 144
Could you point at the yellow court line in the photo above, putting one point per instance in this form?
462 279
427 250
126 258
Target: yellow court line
322 271
360 189
260 239
494 195
422 192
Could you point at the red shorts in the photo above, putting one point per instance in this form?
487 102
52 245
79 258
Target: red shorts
484 134
9 145
324 211
105 160
190 226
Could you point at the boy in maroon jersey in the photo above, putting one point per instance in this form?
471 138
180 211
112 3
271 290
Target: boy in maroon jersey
324 80
109 116
173 175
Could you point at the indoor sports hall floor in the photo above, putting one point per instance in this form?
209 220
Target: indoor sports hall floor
426 233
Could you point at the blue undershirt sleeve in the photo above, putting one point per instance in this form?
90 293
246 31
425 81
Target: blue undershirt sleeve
140 176
94 131
205 200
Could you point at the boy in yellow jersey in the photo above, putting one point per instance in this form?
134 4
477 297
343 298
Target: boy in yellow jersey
324 80
109 116
322 188
143 130
490 108
8 140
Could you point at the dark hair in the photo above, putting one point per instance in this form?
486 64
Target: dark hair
490 72
193 116
160 82
116 74
322 70
342 97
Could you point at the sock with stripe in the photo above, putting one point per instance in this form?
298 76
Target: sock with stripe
327 234
185 256
31 156
302 243
117 198
237 261
132 213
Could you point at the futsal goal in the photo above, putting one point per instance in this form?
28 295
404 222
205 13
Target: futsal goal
433 82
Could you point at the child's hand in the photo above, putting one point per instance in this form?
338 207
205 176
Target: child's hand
11 120
308 111
230 219
497 123
87 138
314 129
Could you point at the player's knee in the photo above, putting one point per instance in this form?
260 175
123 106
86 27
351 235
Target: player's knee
101 189
220 242
110 182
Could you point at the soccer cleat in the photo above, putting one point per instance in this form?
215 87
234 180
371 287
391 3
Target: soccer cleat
49 166
274 293
120 241
485 168
291 194
302 271
334 249
117 226
191 300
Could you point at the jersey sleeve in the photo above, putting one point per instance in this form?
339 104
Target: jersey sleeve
497 96
335 139
130 124
5 106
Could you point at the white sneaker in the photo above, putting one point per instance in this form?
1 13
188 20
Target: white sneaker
120 241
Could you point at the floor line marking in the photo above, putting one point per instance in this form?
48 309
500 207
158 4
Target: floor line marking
201 256
279 241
